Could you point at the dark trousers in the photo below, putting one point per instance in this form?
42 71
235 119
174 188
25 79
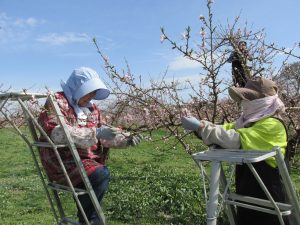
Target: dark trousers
246 184
99 181
238 74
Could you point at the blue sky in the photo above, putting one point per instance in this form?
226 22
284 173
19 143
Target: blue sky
42 41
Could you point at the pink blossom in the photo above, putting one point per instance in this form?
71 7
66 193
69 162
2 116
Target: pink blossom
33 100
185 112
126 77
184 35
106 59
128 118
152 107
202 33
146 111
162 38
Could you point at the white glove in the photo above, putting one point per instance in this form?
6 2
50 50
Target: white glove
190 123
105 132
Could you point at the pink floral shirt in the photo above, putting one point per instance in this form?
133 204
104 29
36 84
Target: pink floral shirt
92 154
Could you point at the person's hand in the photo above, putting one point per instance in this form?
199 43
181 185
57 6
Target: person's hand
107 133
190 123
134 140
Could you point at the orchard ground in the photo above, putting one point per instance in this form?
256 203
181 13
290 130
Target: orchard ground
151 184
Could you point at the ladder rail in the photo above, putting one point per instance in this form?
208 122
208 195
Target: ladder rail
54 147
267 193
2 103
79 165
258 208
54 192
229 209
284 207
291 194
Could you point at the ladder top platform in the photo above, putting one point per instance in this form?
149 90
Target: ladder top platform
22 95
233 155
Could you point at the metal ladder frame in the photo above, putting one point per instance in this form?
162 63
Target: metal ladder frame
34 127
231 200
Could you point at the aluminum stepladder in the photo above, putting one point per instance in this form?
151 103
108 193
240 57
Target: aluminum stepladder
52 189
230 200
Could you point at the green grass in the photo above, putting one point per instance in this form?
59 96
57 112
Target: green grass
21 194
147 184
152 184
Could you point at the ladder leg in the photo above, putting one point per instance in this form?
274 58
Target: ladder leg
79 165
34 159
267 193
230 210
288 185
58 203
212 205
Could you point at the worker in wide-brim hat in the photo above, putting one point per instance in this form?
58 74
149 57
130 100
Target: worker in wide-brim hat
259 127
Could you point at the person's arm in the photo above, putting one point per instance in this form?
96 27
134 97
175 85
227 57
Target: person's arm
83 137
217 134
212 134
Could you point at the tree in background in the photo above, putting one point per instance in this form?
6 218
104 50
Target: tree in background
160 104
289 81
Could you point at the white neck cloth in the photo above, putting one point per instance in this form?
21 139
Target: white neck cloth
259 109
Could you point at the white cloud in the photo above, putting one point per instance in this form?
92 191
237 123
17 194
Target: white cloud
16 29
65 38
181 63
182 81
32 21
3 19
193 78
29 22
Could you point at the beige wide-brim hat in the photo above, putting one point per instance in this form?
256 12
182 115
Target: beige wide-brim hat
254 89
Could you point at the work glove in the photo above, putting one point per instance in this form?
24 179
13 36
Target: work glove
134 140
191 123
105 132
